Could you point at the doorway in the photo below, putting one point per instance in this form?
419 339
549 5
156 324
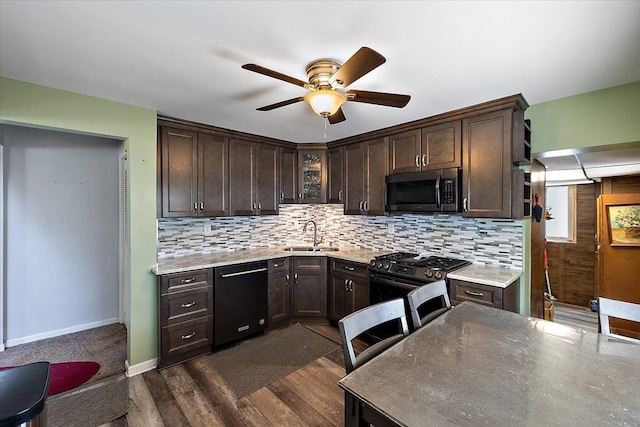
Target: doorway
62 251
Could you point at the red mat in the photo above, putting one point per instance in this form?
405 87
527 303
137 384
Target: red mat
68 375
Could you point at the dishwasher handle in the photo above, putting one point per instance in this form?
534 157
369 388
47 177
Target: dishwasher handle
243 273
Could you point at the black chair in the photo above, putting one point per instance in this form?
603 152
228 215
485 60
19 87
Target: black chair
420 296
361 321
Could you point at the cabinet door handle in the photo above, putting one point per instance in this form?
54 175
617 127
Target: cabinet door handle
361 206
191 304
424 157
187 281
418 161
365 205
464 205
201 206
259 206
282 195
300 196
346 284
195 206
351 285
295 277
348 267
188 336
474 294
340 195
287 277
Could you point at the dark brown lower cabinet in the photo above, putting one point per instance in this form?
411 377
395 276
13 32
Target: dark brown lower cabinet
493 296
185 311
348 288
309 296
279 293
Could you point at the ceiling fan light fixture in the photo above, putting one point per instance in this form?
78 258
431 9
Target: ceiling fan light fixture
325 102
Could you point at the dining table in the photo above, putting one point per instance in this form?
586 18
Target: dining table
481 366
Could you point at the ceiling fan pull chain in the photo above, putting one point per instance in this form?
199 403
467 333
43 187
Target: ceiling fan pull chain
326 119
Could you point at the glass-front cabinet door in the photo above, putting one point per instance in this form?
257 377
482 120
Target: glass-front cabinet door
312 176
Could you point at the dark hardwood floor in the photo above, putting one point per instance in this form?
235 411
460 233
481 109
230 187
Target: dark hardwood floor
193 394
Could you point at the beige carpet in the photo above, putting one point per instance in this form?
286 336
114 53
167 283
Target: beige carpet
258 362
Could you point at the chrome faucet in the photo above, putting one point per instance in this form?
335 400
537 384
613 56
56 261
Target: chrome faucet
316 242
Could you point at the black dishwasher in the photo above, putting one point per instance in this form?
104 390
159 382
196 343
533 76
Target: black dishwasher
240 301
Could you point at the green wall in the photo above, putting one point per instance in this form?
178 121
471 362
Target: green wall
604 117
37 106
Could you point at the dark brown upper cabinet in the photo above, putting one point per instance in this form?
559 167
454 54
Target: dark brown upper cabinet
194 174
253 178
312 176
433 147
366 165
288 175
335 175
493 146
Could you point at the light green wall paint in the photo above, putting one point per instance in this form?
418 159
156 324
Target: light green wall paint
37 106
603 117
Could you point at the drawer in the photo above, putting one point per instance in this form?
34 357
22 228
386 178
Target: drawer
351 268
466 291
309 263
176 282
179 307
278 265
187 336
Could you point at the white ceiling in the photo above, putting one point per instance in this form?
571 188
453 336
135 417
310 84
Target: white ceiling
183 58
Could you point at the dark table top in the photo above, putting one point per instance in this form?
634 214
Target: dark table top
23 393
478 365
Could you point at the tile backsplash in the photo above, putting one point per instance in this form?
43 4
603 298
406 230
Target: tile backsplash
488 241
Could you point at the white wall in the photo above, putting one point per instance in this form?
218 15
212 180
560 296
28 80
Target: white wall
61 193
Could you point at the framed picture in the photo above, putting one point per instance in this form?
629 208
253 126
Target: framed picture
624 225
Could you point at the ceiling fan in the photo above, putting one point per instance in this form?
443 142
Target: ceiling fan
327 81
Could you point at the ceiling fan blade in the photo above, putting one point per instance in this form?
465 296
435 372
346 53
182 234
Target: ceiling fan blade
363 61
337 117
379 98
276 75
281 104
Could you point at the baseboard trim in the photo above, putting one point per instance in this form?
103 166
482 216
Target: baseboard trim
58 332
140 368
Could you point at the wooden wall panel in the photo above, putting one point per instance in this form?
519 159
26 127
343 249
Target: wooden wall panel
621 184
572 266
538 287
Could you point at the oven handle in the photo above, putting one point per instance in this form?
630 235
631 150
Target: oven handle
390 282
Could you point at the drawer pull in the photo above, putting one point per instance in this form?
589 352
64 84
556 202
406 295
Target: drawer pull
185 281
348 267
191 304
188 336
474 294
277 264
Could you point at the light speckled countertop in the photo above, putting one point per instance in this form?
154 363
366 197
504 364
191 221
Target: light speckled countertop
486 275
218 259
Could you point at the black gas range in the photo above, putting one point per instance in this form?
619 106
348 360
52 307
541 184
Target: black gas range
396 274
415 267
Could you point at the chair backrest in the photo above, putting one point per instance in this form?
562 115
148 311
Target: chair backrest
420 296
359 322
619 309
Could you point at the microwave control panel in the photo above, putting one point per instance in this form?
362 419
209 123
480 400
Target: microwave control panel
448 186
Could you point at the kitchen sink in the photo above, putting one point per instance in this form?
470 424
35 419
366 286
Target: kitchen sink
310 249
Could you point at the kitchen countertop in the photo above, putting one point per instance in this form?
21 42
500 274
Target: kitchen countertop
476 273
219 259
486 275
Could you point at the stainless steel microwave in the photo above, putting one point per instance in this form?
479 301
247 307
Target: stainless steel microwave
426 191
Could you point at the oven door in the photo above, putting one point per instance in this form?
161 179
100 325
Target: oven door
386 288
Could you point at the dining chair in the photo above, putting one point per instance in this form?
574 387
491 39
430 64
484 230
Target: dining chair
363 320
619 309
421 313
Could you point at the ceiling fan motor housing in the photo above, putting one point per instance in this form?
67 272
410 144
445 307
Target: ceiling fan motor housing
320 71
